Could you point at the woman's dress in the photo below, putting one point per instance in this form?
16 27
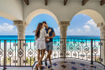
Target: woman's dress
40 42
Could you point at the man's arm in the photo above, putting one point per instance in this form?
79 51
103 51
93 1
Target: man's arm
53 35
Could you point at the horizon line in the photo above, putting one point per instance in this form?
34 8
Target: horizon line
56 35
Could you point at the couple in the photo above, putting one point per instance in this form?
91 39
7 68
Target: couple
44 42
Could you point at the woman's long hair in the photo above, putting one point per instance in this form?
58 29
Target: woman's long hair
39 27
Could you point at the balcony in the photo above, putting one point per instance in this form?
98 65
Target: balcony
74 54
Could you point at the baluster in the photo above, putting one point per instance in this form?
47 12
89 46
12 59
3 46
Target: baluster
91 51
5 45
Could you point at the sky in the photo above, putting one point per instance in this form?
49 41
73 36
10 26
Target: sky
7 27
80 25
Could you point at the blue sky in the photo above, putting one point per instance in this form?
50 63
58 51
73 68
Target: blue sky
83 25
80 25
7 27
40 18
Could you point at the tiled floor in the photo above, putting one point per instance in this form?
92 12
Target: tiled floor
17 68
73 64
68 64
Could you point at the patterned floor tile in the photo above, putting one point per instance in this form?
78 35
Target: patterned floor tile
72 65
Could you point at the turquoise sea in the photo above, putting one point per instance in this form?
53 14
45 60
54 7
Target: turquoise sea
14 37
74 43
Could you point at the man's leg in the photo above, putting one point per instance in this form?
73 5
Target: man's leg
48 57
50 53
50 48
47 48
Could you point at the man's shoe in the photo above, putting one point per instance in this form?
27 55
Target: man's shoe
50 66
45 62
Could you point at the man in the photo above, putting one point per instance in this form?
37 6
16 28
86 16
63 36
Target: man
49 43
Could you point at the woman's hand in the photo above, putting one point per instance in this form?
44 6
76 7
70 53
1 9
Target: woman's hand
46 39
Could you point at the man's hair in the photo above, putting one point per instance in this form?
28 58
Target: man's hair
44 22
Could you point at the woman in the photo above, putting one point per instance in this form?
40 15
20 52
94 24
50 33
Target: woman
40 43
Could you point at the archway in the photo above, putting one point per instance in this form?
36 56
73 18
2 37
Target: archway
40 11
99 21
51 22
34 19
46 13
83 25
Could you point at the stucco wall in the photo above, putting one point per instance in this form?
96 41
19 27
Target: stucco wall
14 9
64 12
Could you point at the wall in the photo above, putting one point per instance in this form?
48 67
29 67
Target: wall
63 12
12 8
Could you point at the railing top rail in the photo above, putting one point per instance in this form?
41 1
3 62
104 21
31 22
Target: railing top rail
53 39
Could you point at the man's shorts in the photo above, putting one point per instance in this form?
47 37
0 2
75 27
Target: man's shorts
49 46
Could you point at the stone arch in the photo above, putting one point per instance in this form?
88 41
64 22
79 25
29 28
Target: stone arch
100 22
40 11
93 14
96 16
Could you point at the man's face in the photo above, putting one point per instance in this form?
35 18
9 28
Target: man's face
45 25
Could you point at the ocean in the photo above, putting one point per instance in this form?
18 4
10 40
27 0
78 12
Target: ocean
15 37
80 45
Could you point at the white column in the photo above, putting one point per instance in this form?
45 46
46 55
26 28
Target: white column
21 39
102 36
63 33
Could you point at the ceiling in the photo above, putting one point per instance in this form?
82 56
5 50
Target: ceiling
83 2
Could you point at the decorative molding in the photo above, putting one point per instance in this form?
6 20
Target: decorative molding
84 2
18 22
65 2
63 23
26 2
46 2
102 2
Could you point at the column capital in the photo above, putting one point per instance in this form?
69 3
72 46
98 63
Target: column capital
64 23
19 23
101 25
102 29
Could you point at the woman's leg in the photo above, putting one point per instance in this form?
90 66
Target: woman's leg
38 57
43 52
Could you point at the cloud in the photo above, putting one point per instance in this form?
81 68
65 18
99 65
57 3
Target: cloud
79 30
91 22
57 31
87 28
70 31
7 28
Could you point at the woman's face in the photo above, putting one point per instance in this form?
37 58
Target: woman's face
42 25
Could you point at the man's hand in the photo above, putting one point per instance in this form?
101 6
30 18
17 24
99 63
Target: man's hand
49 31
48 37
53 35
